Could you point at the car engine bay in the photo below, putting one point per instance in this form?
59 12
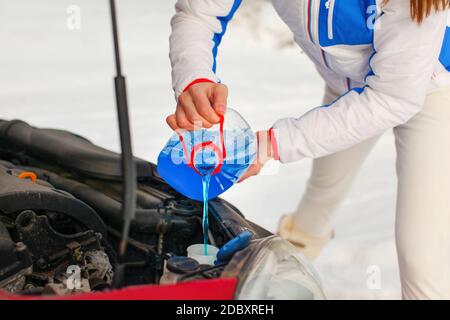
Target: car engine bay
60 217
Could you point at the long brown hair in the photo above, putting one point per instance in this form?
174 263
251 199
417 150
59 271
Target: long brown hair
420 9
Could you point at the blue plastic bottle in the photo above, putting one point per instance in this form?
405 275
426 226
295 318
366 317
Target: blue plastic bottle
223 152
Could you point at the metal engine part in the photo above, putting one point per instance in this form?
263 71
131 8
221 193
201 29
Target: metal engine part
15 262
58 263
98 268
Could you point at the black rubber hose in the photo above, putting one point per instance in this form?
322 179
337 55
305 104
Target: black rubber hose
146 220
108 208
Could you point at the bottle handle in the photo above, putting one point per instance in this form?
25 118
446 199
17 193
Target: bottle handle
220 153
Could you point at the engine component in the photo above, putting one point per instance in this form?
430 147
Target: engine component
37 258
66 149
15 262
49 245
54 252
177 266
99 269
18 194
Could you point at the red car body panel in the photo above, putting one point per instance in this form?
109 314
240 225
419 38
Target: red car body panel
215 289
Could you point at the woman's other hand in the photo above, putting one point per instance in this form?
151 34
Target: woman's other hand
264 154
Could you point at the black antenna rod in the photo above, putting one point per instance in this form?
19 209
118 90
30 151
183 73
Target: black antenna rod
127 159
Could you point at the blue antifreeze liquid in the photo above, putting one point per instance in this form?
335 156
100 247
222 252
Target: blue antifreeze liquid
205 164
205 224
174 169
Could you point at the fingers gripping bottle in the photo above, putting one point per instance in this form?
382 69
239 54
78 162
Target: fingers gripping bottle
218 156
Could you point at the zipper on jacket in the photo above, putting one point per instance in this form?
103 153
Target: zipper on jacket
330 6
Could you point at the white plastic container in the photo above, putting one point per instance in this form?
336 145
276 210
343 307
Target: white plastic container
196 251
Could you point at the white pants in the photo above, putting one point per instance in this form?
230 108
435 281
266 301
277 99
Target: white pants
423 196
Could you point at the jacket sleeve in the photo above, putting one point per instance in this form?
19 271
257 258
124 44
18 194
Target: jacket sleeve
404 56
197 30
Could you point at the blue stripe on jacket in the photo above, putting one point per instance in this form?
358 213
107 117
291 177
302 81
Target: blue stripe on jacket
223 23
444 58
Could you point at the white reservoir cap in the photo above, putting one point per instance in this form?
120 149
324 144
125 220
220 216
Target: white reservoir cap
196 252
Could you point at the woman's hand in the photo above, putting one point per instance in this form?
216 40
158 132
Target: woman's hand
264 154
201 104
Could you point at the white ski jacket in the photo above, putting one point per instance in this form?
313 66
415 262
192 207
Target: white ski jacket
382 62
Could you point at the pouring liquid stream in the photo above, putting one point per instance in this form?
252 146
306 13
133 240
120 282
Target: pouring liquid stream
205 184
205 169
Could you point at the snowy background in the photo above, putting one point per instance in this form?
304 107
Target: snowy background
55 76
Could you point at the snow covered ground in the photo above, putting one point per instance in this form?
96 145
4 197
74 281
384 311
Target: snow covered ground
53 76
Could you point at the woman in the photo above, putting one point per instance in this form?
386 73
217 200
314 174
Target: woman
386 65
